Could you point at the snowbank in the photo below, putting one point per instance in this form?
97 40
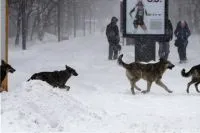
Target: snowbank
100 99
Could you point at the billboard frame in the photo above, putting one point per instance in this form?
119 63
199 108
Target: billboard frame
141 35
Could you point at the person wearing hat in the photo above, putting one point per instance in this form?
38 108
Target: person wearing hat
112 33
182 33
164 44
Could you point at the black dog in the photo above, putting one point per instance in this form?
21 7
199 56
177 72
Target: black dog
56 78
4 69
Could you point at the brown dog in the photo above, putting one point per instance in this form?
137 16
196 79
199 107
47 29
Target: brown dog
149 72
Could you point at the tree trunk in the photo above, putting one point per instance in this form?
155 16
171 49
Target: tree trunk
24 27
84 25
18 26
94 23
74 15
40 24
58 20
90 21
33 28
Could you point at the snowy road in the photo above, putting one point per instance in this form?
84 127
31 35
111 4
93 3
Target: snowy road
100 99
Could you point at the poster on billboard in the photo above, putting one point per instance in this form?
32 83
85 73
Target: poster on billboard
145 17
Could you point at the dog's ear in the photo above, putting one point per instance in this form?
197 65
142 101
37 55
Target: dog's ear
3 62
121 56
66 66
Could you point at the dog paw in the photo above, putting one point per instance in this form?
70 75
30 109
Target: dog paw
170 91
133 92
144 92
67 88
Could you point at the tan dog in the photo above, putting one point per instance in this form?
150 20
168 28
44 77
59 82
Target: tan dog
149 72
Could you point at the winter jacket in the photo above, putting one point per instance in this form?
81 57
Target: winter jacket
169 31
182 33
112 33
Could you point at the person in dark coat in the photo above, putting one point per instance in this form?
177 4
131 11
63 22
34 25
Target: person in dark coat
112 33
164 44
182 33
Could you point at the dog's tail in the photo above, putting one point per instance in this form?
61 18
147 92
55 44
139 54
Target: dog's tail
121 63
186 74
31 78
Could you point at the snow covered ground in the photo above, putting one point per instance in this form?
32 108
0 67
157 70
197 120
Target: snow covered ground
100 100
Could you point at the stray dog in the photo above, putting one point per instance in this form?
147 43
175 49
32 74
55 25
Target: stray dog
56 78
5 68
149 72
195 73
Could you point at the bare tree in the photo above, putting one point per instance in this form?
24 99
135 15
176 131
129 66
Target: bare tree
34 18
24 24
186 10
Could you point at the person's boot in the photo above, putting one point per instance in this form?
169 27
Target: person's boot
185 60
181 61
115 55
109 57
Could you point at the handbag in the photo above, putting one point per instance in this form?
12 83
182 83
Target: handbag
117 47
177 42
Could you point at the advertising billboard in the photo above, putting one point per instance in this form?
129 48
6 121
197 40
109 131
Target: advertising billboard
144 17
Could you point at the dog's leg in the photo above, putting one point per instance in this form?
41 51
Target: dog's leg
132 88
68 88
148 87
64 87
137 88
190 83
161 84
133 85
196 86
